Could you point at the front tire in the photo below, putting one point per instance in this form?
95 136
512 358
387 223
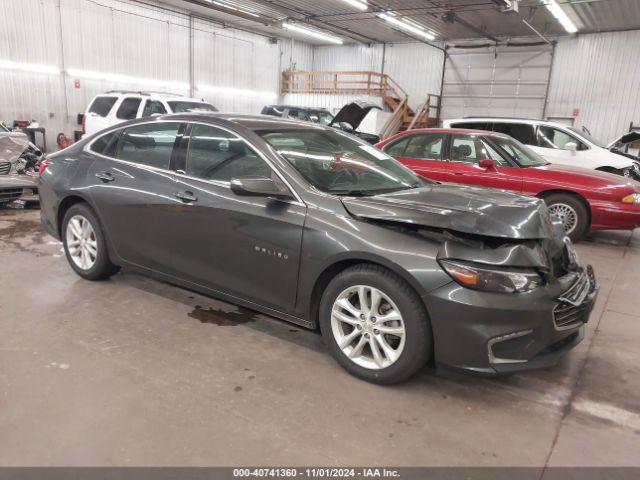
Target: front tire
85 245
375 325
572 212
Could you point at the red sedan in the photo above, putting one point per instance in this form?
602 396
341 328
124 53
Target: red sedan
583 199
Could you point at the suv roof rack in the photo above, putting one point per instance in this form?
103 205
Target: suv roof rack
502 118
148 93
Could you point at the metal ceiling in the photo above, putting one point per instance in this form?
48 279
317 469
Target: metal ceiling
467 19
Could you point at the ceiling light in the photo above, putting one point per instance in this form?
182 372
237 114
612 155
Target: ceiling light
312 33
109 77
359 4
408 26
236 91
233 6
560 15
29 67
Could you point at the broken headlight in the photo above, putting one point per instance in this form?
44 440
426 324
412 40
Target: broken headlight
492 279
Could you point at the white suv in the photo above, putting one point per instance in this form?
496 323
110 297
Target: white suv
119 106
556 142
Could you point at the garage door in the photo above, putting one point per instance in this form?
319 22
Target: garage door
502 82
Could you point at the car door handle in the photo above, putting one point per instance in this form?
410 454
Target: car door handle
105 176
186 197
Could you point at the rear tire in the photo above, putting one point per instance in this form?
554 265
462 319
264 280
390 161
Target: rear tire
85 245
386 338
573 213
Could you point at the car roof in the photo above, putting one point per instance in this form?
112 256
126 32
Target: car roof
277 105
528 121
150 94
455 130
250 121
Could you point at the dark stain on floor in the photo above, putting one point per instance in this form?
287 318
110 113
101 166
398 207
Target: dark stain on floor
223 319
19 228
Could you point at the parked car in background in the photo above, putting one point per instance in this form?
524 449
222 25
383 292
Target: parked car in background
348 118
583 199
118 106
315 226
556 142
16 183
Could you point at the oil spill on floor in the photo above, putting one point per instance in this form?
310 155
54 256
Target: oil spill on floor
223 319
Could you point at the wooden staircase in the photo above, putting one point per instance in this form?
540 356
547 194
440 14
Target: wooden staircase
394 98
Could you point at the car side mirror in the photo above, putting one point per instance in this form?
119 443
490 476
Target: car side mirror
487 164
257 186
571 146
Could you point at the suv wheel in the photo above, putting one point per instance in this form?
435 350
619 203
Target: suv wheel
572 212
84 244
375 324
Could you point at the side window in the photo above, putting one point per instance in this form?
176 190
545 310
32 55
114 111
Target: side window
128 108
299 115
148 144
153 107
520 131
396 149
215 154
425 145
472 149
101 106
106 144
473 125
550 137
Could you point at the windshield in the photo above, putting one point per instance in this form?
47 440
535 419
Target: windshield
336 163
519 153
323 118
179 107
586 136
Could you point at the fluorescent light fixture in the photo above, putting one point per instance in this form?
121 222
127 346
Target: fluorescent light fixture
312 33
110 77
560 15
29 67
236 91
233 6
359 4
407 25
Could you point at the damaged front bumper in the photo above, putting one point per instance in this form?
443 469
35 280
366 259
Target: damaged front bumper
18 187
493 333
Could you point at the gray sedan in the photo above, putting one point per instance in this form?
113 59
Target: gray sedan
316 227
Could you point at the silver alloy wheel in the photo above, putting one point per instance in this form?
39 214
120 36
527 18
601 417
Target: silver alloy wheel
368 327
567 214
82 242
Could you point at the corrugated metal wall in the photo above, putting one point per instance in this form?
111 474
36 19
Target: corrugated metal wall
417 68
126 38
599 75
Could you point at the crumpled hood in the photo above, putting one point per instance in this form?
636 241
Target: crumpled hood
474 210
12 144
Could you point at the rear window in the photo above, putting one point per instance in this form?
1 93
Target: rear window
178 107
106 144
148 144
520 131
102 105
128 108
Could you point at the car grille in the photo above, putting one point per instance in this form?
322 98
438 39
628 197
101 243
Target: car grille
572 311
5 168
10 194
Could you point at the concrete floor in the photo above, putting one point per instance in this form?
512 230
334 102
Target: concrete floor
132 371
